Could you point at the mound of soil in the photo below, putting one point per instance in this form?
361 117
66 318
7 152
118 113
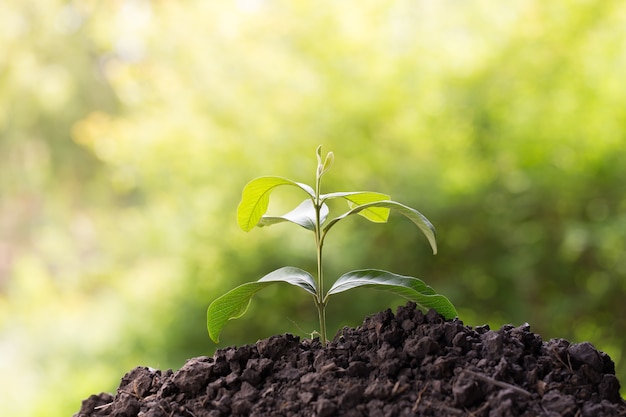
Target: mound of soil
409 364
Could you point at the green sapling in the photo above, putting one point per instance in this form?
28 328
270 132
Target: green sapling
312 214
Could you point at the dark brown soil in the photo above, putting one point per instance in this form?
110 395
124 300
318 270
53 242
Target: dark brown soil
409 364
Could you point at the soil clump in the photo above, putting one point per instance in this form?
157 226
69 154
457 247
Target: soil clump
407 364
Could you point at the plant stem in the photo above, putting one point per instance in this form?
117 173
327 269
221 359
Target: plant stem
319 301
321 310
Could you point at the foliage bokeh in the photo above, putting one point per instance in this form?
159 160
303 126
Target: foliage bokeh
128 129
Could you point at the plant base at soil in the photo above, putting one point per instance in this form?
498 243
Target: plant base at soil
407 364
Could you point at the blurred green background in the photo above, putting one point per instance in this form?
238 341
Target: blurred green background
129 127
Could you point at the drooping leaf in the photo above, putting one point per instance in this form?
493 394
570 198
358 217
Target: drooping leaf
357 198
303 215
256 196
415 216
410 288
235 302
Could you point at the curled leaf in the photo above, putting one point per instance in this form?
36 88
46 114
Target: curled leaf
328 162
323 167
303 215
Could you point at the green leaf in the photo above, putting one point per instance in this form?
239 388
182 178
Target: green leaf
411 288
256 196
415 216
357 198
303 215
234 303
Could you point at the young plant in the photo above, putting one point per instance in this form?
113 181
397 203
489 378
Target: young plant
312 214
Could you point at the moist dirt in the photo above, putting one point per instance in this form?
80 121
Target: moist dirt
407 364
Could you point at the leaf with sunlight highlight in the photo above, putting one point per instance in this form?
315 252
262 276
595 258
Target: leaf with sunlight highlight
358 198
256 196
